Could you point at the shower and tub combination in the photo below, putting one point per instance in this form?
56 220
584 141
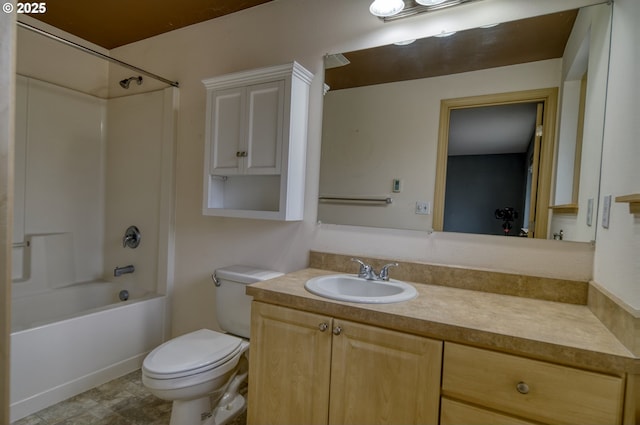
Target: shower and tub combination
91 254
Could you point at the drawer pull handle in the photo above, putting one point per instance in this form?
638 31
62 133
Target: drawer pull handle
522 388
323 326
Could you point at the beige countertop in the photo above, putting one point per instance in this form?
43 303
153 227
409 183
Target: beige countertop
563 333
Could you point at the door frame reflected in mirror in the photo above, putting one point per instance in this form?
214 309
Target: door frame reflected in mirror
549 98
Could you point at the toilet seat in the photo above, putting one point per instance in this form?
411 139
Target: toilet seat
190 354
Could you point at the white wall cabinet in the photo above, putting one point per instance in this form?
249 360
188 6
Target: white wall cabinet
255 143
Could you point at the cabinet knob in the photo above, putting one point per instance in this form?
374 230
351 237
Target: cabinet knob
323 326
522 387
337 330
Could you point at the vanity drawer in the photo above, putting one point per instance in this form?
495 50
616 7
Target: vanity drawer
530 388
453 412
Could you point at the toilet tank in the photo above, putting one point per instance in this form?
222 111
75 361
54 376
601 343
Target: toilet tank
233 306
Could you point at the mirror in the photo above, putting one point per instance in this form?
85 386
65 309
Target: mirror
383 120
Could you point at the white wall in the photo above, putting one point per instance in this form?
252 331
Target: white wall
49 60
592 29
305 30
133 192
7 96
90 167
617 261
135 189
59 182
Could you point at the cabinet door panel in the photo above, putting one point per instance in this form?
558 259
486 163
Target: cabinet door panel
227 131
289 366
264 138
380 376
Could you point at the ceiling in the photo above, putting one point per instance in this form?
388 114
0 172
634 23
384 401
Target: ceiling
526 40
491 130
114 23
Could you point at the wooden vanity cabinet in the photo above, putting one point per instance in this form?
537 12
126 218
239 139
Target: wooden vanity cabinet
307 368
480 385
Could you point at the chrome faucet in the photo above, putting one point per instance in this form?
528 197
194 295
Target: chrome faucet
367 272
384 272
119 271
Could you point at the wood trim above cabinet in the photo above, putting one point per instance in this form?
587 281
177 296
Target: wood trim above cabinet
633 200
565 209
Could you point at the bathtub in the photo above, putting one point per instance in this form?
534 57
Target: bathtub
67 340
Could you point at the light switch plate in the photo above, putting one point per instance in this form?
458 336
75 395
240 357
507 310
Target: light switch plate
397 186
606 210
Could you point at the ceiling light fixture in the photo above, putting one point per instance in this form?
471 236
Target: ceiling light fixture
404 42
386 12
445 34
386 8
429 2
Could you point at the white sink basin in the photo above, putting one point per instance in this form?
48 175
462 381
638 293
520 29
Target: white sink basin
344 287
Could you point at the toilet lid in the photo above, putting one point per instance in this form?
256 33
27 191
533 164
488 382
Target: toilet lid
191 353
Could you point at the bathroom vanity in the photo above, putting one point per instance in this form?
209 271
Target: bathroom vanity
448 356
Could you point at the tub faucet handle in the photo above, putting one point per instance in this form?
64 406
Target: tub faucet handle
131 237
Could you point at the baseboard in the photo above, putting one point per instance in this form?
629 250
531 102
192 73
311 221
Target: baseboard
28 406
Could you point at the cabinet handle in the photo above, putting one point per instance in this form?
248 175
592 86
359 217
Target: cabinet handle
323 326
337 330
243 154
522 387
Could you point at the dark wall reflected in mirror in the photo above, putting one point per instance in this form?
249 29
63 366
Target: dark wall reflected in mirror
488 181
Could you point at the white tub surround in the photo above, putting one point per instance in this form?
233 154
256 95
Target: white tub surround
72 339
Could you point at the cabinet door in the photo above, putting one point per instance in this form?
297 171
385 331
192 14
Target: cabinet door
227 127
265 109
289 366
380 376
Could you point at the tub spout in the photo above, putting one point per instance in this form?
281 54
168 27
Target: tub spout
118 271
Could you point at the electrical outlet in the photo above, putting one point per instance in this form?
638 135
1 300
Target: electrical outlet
423 207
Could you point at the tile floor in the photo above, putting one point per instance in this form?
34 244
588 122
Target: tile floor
123 401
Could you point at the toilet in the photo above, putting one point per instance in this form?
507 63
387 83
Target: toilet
201 372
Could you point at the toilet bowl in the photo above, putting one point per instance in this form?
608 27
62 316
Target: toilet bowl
195 371
202 372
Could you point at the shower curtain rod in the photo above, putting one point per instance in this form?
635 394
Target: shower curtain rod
94 53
